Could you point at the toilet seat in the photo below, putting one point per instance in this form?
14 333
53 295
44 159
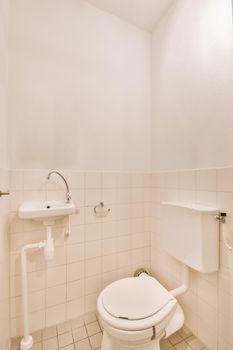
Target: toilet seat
135 298
133 304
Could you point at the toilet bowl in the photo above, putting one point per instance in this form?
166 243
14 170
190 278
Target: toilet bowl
136 313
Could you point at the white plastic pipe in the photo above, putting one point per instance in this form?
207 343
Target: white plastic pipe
27 341
49 245
185 282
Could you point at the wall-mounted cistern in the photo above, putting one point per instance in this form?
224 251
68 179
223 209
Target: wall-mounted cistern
68 193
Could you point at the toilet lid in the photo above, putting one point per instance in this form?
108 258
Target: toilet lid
135 298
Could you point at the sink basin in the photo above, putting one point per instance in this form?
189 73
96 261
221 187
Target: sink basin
45 211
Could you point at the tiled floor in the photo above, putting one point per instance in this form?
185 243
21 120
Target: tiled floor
85 333
182 340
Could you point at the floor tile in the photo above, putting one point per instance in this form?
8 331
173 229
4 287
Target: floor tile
195 343
175 338
37 336
63 327
65 339
96 340
83 345
69 347
77 322
93 328
50 344
182 346
15 342
84 333
79 333
184 332
37 346
90 317
49 332
165 344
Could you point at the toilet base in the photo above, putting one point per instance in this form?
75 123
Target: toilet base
110 343
114 339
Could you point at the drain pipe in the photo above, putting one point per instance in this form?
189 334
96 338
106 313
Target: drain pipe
27 341
185 276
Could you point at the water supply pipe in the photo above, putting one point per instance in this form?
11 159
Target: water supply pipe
185 276
49 246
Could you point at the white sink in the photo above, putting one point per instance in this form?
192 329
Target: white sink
45 211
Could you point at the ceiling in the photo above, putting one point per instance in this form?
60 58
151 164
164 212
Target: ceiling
142 13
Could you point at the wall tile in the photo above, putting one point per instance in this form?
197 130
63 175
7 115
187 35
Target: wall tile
93 249
54 315
93 267
75 308
93 180
56 295
109 263
56 276
76 234
36 320
16 178
124 180
187 180
110 180
206 180
35 180
75 271
224 180
93 284
75 289
75 252
76 179
93 232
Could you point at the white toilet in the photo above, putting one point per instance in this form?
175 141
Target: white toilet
137 312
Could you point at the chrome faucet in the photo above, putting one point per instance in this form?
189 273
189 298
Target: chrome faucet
68 193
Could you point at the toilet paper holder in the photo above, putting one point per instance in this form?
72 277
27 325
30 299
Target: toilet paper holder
4 193
100 211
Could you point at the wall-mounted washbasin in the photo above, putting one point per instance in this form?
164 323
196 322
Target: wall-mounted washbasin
45 211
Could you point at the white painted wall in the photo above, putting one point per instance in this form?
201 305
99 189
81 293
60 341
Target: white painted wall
79 88
142 14
192 119
3 81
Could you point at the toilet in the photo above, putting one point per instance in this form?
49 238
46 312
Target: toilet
137 312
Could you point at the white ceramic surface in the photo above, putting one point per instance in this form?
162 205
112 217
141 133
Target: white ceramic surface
190 234
41 211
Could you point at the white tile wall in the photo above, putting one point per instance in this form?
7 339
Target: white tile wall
208 304
101 250
4 264
97 252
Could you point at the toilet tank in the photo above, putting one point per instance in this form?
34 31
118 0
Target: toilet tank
190 233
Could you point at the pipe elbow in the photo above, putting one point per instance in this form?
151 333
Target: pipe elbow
185 285
180 290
